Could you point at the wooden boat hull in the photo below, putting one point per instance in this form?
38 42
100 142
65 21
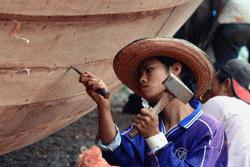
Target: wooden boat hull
39 93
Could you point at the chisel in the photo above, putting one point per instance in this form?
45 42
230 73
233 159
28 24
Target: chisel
105 93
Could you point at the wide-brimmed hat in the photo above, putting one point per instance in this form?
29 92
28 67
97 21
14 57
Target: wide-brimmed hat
239 72
129 58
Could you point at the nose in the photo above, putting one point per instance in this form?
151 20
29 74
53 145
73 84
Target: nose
143 79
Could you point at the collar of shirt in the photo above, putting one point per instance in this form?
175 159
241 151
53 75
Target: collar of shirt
186 122
190 119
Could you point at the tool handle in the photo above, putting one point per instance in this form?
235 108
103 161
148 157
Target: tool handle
156 110
104 92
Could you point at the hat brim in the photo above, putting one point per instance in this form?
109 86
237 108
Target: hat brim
241 92
128 59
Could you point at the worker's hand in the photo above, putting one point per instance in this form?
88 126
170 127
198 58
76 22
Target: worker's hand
93 84
146 123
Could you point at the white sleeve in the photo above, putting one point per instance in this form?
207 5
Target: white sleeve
113 145
156 142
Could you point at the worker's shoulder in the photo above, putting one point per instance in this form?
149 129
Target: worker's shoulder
222 99
227 102
209 125
206 130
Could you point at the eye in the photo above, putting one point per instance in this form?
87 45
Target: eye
149 69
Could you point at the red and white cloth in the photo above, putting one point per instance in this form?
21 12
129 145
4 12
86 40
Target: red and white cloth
92 158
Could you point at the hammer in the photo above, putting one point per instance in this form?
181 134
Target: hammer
105 93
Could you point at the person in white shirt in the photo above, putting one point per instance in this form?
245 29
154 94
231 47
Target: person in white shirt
228 101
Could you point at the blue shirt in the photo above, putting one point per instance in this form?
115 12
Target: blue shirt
198 140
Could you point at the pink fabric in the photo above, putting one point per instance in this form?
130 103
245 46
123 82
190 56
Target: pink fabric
92 158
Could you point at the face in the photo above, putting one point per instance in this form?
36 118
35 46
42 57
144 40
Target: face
215 89
151 75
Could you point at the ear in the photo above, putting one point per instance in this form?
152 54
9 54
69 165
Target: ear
227 83
176 68
228 87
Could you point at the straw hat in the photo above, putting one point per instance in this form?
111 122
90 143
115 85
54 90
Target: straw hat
128 59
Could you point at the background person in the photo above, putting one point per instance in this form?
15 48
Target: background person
228 101
233 31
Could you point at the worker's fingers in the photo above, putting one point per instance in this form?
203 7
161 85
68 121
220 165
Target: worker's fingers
142 118
90 81
139 122
147 112
94 81
93 85
146 128
141 128
89 75
138 127
99 86
85 76
87 82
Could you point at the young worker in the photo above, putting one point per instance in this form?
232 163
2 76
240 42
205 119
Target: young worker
181 135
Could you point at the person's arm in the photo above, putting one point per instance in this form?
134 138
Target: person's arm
107 130
131 151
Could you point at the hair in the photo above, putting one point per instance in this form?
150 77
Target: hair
222 76
186 74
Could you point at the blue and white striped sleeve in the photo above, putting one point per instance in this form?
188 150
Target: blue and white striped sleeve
113 145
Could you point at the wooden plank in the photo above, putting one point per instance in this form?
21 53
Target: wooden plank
55 44
83 7
176 21
45 85
25 124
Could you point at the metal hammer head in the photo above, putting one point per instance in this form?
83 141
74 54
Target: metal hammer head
175 86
